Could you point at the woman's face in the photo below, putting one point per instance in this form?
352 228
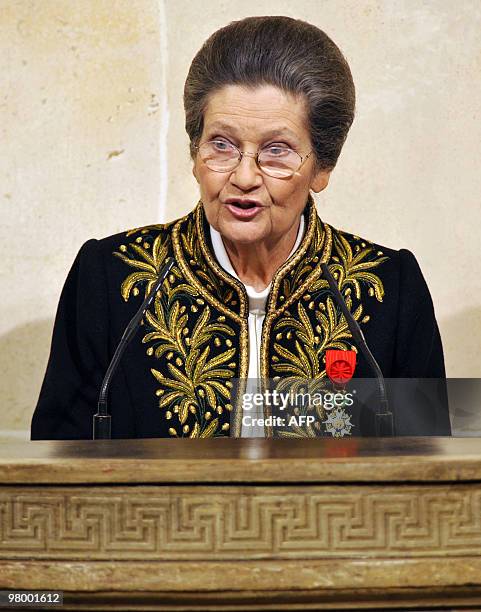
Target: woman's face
252 119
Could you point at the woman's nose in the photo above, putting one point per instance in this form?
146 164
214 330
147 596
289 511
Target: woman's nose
247 174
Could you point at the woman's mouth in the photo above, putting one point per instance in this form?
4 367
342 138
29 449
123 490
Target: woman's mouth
243 210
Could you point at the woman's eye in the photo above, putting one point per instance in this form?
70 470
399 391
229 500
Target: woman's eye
277 150
221 145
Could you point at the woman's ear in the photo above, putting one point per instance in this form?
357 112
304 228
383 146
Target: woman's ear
320 180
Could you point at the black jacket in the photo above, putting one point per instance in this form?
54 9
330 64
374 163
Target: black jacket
177 377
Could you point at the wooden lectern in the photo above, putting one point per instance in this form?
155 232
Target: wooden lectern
244 524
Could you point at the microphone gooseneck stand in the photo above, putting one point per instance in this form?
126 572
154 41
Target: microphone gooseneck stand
383 418
102 420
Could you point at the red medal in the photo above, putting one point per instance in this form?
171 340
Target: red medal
340 365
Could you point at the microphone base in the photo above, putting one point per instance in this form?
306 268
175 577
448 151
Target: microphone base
101 427
384 424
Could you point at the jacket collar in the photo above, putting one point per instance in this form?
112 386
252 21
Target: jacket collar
195 255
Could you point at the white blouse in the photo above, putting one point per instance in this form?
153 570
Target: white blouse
257 311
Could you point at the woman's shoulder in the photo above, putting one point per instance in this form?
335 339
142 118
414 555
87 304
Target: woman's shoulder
138 250
353 244
364 257
138 235
137 239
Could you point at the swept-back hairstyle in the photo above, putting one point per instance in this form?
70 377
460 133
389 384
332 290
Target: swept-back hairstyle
291 54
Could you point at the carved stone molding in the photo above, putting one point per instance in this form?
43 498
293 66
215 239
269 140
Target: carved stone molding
212 523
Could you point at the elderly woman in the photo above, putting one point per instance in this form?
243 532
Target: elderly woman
269 102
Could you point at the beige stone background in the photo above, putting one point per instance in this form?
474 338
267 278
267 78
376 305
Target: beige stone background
93 142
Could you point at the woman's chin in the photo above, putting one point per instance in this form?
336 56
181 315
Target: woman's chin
242 232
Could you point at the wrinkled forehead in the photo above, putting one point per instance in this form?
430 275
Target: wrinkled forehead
264 111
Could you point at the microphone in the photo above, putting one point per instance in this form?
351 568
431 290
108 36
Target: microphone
383 417
102 420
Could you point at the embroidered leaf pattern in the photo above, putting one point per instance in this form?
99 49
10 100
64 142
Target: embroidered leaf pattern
352 269
148 262
301 342
197 381
168 334
193 379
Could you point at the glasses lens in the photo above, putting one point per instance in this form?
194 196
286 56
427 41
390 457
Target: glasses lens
279 161
219 155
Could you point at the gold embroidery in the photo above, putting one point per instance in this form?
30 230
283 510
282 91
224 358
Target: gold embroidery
201 381
184 242
194 323
298 352
353 269
148 228
147 263
195 248
190 342
217 271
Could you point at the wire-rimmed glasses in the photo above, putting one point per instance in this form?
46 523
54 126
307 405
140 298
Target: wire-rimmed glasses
276 160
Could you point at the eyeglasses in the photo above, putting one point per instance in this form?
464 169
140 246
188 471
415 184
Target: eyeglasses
274 160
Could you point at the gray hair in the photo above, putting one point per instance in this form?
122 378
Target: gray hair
291 54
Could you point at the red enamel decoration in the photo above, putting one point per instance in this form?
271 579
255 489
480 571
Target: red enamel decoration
340 365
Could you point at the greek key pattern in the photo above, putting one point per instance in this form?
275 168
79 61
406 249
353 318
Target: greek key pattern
209 522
